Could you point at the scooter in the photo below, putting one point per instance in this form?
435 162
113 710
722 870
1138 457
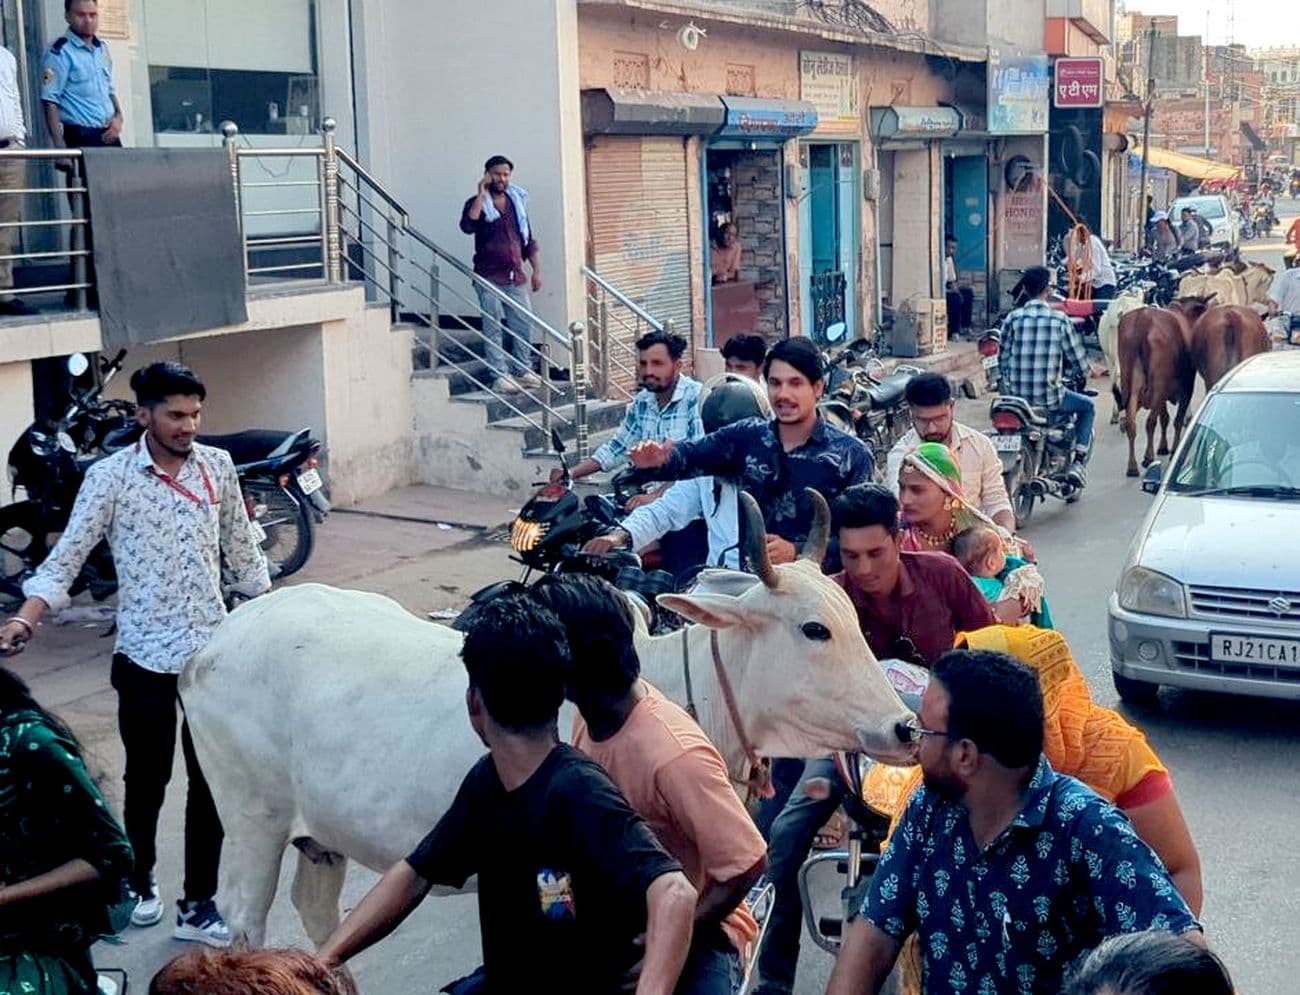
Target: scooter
865 399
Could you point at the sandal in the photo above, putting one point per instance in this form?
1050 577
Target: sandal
832 836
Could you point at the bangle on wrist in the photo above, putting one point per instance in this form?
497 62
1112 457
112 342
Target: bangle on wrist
31 629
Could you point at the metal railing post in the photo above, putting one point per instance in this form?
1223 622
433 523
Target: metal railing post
394 304
81 234
435 280
331 242
230 139
544 360
578 376
602 333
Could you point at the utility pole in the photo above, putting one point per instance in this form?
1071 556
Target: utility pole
1207 84
1146 135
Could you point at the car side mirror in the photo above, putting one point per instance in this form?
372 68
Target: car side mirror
1152 478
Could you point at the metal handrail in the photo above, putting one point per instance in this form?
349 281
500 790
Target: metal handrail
622 298
373 183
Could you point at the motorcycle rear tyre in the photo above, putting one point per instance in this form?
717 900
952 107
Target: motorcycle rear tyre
290 533
19 555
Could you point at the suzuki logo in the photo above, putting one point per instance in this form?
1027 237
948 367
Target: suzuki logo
1279 606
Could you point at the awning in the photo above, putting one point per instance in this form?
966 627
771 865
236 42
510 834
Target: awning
615 111
1192 166
914 122
753 117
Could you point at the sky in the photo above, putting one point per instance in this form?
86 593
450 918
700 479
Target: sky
1258 23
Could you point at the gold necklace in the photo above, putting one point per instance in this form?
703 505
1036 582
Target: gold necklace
939 541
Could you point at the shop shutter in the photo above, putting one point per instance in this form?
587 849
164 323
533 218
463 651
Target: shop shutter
639 234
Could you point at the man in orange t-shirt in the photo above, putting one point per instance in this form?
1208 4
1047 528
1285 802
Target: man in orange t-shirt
668 770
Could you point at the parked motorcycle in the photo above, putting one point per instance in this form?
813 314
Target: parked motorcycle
549 532
1037 451
278 472
863 398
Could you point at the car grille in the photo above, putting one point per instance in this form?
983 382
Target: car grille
1196 657
1244 603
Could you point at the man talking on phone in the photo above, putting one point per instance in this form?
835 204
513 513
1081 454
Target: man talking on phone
497 217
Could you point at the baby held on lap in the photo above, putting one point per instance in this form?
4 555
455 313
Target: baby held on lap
981 551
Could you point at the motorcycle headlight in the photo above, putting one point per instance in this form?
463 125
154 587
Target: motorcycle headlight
1150 592
525 535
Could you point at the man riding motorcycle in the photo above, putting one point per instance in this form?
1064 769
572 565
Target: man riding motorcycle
1037 343
726 399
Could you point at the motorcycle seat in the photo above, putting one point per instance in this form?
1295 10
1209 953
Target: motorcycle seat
1026 411
889 392
120 438
251 446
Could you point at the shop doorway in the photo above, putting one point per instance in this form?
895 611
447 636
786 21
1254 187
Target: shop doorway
744 196
828 245
965 220
885 228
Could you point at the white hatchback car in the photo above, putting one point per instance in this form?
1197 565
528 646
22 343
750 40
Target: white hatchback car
1209 596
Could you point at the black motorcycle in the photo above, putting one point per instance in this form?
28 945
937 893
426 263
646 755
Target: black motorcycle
1037 451
278 473
864 398
548 534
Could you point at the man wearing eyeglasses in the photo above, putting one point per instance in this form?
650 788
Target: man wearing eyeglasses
910 607
1003 869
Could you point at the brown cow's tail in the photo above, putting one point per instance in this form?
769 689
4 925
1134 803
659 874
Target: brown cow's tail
1231 341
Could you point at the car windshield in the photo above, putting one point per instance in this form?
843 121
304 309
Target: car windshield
1206 207
1242 444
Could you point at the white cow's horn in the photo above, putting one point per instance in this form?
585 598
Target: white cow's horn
756 541
819 533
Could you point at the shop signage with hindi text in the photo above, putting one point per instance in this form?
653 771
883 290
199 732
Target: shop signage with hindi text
829 81
1019 93
1078 83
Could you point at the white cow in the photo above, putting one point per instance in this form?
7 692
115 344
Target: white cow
1225 286
1108 335
335 719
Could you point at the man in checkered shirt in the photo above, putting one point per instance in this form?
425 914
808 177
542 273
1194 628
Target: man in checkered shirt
1037 340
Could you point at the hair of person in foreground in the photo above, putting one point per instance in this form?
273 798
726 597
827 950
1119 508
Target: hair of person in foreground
1150 963
249 972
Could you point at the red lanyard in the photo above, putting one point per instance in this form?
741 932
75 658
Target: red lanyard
183 491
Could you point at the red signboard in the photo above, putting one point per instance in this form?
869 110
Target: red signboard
1078 83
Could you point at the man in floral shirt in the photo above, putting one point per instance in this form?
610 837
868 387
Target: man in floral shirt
1005 871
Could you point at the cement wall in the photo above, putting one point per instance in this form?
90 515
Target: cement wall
504 82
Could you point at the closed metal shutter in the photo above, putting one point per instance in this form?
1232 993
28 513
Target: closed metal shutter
639 238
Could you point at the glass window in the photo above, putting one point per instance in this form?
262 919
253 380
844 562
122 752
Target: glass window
248 61
1242 440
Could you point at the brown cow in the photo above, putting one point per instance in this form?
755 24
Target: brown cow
1224 336
1156 370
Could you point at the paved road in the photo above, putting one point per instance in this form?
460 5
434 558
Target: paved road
1233 761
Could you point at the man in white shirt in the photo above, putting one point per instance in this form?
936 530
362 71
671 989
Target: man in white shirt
1095 267
171 511
932 405
1284 294
13 176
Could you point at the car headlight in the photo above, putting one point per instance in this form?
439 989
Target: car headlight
1150 592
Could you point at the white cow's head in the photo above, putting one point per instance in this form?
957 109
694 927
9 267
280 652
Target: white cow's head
805 680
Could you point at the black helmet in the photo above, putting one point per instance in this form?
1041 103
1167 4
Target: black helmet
729 398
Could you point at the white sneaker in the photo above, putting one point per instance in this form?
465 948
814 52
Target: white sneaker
201 923
504 385
529 379
148 909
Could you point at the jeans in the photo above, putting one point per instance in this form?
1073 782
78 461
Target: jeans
146 719
961 306
512 356
1075 403
792 836
710 969
786 775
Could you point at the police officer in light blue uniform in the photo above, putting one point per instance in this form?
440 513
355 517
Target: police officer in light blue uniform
77 91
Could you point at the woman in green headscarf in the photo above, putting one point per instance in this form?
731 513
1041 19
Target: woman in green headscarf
935 512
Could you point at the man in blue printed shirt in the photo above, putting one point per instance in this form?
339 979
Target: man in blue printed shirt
77 92
666 408
1006 871
775 460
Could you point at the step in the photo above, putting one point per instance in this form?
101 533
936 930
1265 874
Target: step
561 394
601 416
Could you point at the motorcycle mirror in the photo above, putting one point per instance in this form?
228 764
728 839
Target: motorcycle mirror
78 364
836 331
556 442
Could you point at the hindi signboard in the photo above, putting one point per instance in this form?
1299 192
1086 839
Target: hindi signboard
829 81
1078 83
